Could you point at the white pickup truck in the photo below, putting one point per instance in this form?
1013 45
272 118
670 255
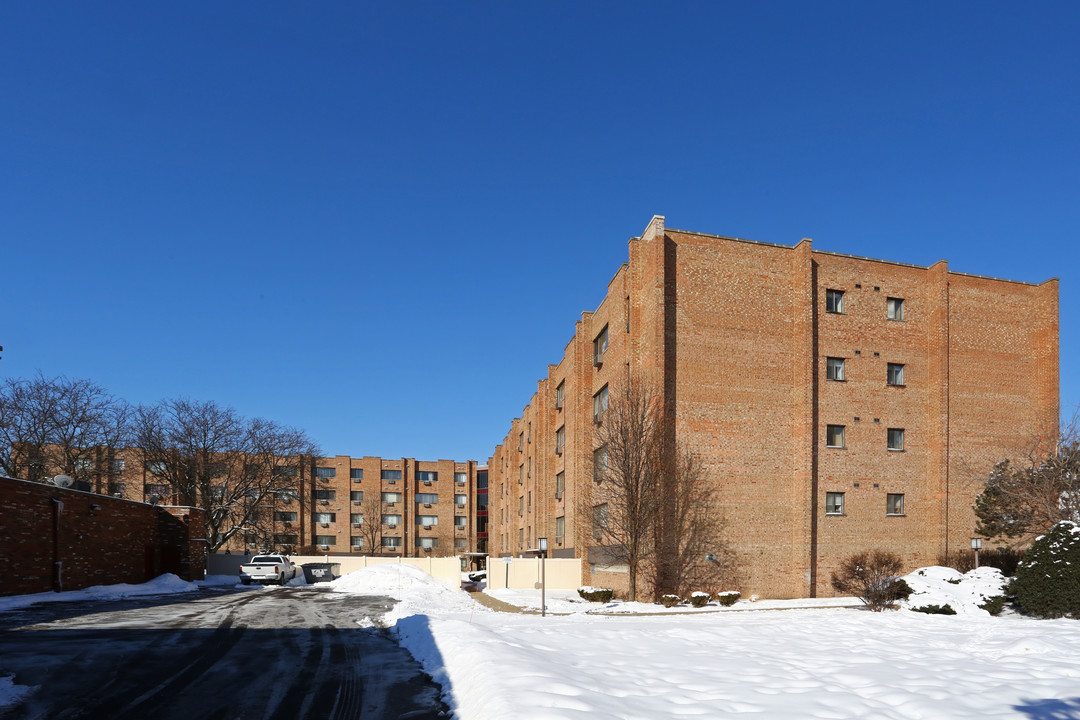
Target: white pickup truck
273 569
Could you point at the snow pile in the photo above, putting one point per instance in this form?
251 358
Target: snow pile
10 693
566 602
418 592
963 592
161 585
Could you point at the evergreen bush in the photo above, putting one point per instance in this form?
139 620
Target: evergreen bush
699 598
945 609
601 595
728 597
670 600
1047 582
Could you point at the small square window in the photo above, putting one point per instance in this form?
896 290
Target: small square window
834 503
896 438
834 301
894 308
834 368
894 504
895 374
834 436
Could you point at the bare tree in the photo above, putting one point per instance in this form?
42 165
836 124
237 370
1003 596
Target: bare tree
237 470
628 440
58 425
371 530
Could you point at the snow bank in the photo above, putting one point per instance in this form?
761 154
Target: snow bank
161 585
963 592
566 602
418 593
10 693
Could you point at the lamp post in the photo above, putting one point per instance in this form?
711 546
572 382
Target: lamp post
542 546
976 543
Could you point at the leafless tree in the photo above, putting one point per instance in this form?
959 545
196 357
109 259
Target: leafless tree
371 530
628 439
58 425
237 470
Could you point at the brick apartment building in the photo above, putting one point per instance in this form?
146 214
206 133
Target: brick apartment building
839 403
435 508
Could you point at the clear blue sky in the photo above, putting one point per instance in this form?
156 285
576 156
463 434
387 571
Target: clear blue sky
379 221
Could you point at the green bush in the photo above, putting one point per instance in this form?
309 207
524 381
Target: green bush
728 597
670 600
699 598
601 595
1047 582
994 605
872 577
945 609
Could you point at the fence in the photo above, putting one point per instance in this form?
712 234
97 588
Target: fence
524 573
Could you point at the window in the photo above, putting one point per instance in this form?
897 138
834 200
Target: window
560 440
391 520
156 467
460 500
324 517
117 466
357 542
894 504
600 405
356 473
481 501
521 505
521 537
560 484
521 441
357 496
528 503
325 494
560 528
528 473
599 346
427 476
391 542
481 479
834 436
599 463
834 368
529 438
460 543
391 497
560 395
83 464
391 475
896 438
427 519
287 470
599 520
521 474
834 503
326 539
427 543
895 375
116 488
217 493
460 478
286 539
427 498
834 301
894 308
627 313
459 522
325 472
283 516
286 495
356 518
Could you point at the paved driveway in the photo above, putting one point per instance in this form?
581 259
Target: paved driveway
268 654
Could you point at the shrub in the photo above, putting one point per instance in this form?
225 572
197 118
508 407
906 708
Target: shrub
1047 582
871 576
994 605
699 599
1004 559
592 594
901 589
945 609
955 581
670 600
728 597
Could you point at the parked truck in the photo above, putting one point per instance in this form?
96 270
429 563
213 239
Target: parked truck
272 569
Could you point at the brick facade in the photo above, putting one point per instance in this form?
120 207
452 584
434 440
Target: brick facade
735 336
55 538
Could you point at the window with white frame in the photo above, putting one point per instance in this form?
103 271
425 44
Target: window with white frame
427 476
834 436
326 539
895 374
895 438
461 500
427 520
356 473
391 542
894 504
834 368
391 520
460 478
459 521
834 503
356 496
894 308
427 498
117 466
427 543
325 472
357 542
325 494
82 465
356 518
391 497
156 467
392 475
834 301
600 404
323 517
461 543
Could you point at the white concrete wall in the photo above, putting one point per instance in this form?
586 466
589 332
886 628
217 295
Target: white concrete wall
524 573
445 569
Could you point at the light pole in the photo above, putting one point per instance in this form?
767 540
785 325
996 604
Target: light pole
542 545
976 543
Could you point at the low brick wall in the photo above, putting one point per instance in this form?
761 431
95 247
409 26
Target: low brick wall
59 539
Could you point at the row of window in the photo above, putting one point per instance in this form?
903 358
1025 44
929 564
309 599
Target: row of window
835 370
834 437
834 503
357 542
834 303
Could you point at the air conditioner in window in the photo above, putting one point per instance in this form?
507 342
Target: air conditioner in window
427 549
324 547
558 451
427 527
390 504
427 505
558 496
357 547
326 524
392 482
119 495
428 483
358 524
356 480
357 502
287 523
324 502
391 525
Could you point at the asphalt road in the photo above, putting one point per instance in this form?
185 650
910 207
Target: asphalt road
290 653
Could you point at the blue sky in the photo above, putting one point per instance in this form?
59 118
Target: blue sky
379 221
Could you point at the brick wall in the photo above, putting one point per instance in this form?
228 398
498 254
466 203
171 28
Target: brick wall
96 539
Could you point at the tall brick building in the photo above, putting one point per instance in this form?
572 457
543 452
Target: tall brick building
839 403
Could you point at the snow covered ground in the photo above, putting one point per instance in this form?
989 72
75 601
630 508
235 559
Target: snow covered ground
565 602
804 663
161 585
